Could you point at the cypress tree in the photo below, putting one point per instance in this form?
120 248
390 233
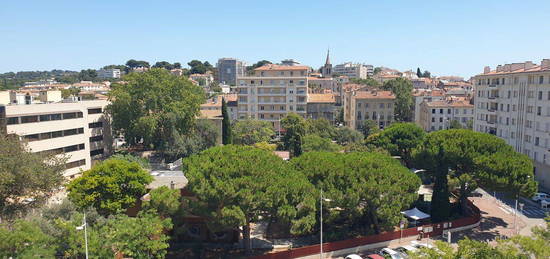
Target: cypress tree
418 72
226 125
440 206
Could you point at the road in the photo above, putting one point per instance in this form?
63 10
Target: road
530 209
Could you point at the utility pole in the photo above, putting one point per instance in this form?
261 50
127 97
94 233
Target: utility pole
321 223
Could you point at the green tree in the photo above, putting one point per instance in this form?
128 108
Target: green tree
346 135
204 135
25 176
265 146
399 139
368 127
87 75
151 108
72 91
426 74
235 185
320 127
377 70
163 64
226 125
402 89
24 239
143 162
316 143
340 117
133 64
294 125
476 159
164 200
455 125
369 82
370 188
110 187
249 131
250 69
440 205
197 67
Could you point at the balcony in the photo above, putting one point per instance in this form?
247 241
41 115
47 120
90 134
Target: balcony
271 94
492 97
492 85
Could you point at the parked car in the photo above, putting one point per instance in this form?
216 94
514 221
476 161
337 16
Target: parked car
545 204
353 256
406 249
540 196
391 253
419 245
375 256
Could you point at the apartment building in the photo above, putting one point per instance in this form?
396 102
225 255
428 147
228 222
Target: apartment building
272 92
438 115
352 70
425 95
78 130
229 69
215 104
322 105
109 73
362 105
513 102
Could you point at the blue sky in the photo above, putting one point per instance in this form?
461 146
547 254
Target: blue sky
445 37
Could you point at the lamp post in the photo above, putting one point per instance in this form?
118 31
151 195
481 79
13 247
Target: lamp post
321 199
83 226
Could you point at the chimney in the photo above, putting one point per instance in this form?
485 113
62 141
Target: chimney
487 70
545 64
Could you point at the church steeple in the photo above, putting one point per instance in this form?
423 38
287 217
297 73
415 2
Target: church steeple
327 62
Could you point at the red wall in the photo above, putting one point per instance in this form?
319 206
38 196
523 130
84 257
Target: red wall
361 241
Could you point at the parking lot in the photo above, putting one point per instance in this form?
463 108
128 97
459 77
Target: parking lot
530 208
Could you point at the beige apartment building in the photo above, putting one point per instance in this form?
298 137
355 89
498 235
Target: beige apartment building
425 95
438 115
77 130
363 105
513 103
322 105
272 92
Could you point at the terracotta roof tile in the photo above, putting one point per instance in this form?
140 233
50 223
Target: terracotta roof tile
321 98
374 95
273 67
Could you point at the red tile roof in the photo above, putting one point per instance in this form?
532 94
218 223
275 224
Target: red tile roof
374 95
273 67
321 98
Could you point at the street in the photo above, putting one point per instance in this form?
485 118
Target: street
530 208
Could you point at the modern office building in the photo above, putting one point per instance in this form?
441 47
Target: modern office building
352 70
229 69
513 102
272 92
77 130
438 115
363 105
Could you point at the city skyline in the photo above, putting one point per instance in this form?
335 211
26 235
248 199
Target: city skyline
444 38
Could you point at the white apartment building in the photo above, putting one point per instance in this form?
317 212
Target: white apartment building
76 129
272 92
513 102
363 105
352 70
425 95
438 115
109 73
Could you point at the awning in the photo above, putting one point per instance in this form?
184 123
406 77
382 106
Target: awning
415 214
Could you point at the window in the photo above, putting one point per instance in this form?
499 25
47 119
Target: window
440 119
539 110
537 141
13 120
529 109
46 117
433 110
433 119
55 117
540 95
441 111
98 124
75 164
57 134
448 111
530 94
94 111
381 106
96 152
32 137
541 80
29 119
69 115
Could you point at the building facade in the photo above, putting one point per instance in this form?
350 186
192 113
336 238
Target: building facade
425 95
438 115
109 73
351 70
363 105
322 106
77 130
513 103
229 69
272 92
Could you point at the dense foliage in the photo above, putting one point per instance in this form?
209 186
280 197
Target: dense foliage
295 127
249 131
227 137
235 185
402 89
110 187
399 139
314 142
153 107
26 178
369 188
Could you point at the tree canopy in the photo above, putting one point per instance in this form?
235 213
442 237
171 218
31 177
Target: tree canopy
226 125
402 89
321 127
153 107
110 187
295 127
399 139
25 176
370 188
235 185
250 131
198 67
346 136
314 142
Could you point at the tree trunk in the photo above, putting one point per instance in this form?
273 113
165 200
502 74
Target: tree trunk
374 220
246 237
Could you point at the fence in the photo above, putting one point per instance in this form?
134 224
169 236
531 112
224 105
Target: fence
434 229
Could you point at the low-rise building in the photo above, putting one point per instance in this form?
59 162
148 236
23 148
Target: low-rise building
77 130
109 73
215 104
425 95
352 70
363 105
322 105
438 115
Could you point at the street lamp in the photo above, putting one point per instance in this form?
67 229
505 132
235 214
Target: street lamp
83 226
321 199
